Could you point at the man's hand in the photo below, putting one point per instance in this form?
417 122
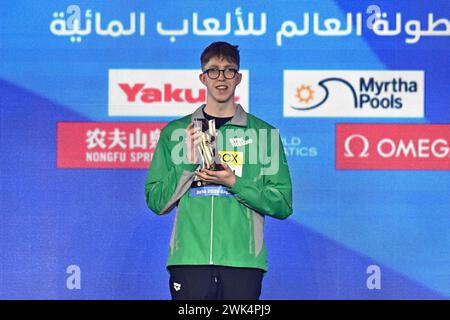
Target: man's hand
193 138
224 177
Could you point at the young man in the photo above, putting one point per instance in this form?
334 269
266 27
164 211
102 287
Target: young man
217 249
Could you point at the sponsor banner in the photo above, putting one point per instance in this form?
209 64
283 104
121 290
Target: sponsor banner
393 146
358 93
106 144
162 93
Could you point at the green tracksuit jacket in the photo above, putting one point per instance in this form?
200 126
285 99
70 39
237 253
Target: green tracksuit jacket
215 225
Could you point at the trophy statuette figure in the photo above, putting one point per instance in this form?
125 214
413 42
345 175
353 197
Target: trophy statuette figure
208 145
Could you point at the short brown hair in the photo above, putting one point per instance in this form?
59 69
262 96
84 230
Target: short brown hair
220 49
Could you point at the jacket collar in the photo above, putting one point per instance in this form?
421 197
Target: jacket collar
239 118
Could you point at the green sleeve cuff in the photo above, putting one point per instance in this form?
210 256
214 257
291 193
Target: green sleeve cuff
237 186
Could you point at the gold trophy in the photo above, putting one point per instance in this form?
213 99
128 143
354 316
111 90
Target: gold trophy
208 144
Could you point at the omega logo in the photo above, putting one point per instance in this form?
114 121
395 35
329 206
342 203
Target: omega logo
365 151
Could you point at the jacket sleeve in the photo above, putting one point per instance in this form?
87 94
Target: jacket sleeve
268 194
166 182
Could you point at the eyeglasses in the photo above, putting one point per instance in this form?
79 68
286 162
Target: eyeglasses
228 73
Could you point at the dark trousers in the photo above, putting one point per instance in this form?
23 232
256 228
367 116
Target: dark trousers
215 283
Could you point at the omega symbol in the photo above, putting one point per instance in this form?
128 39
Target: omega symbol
365 151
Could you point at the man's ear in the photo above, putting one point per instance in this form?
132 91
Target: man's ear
239 78
202 79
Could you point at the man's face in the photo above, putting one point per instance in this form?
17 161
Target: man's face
220 89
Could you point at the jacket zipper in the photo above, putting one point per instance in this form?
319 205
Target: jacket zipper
212 231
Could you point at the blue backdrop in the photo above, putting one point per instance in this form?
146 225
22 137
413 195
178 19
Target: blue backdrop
86 233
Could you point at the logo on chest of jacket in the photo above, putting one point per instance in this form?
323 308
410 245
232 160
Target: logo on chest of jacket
239 142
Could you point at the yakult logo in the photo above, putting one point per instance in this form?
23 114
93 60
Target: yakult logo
138 92
388 146
161 92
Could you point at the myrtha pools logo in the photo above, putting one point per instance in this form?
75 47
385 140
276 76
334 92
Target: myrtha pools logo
353 94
